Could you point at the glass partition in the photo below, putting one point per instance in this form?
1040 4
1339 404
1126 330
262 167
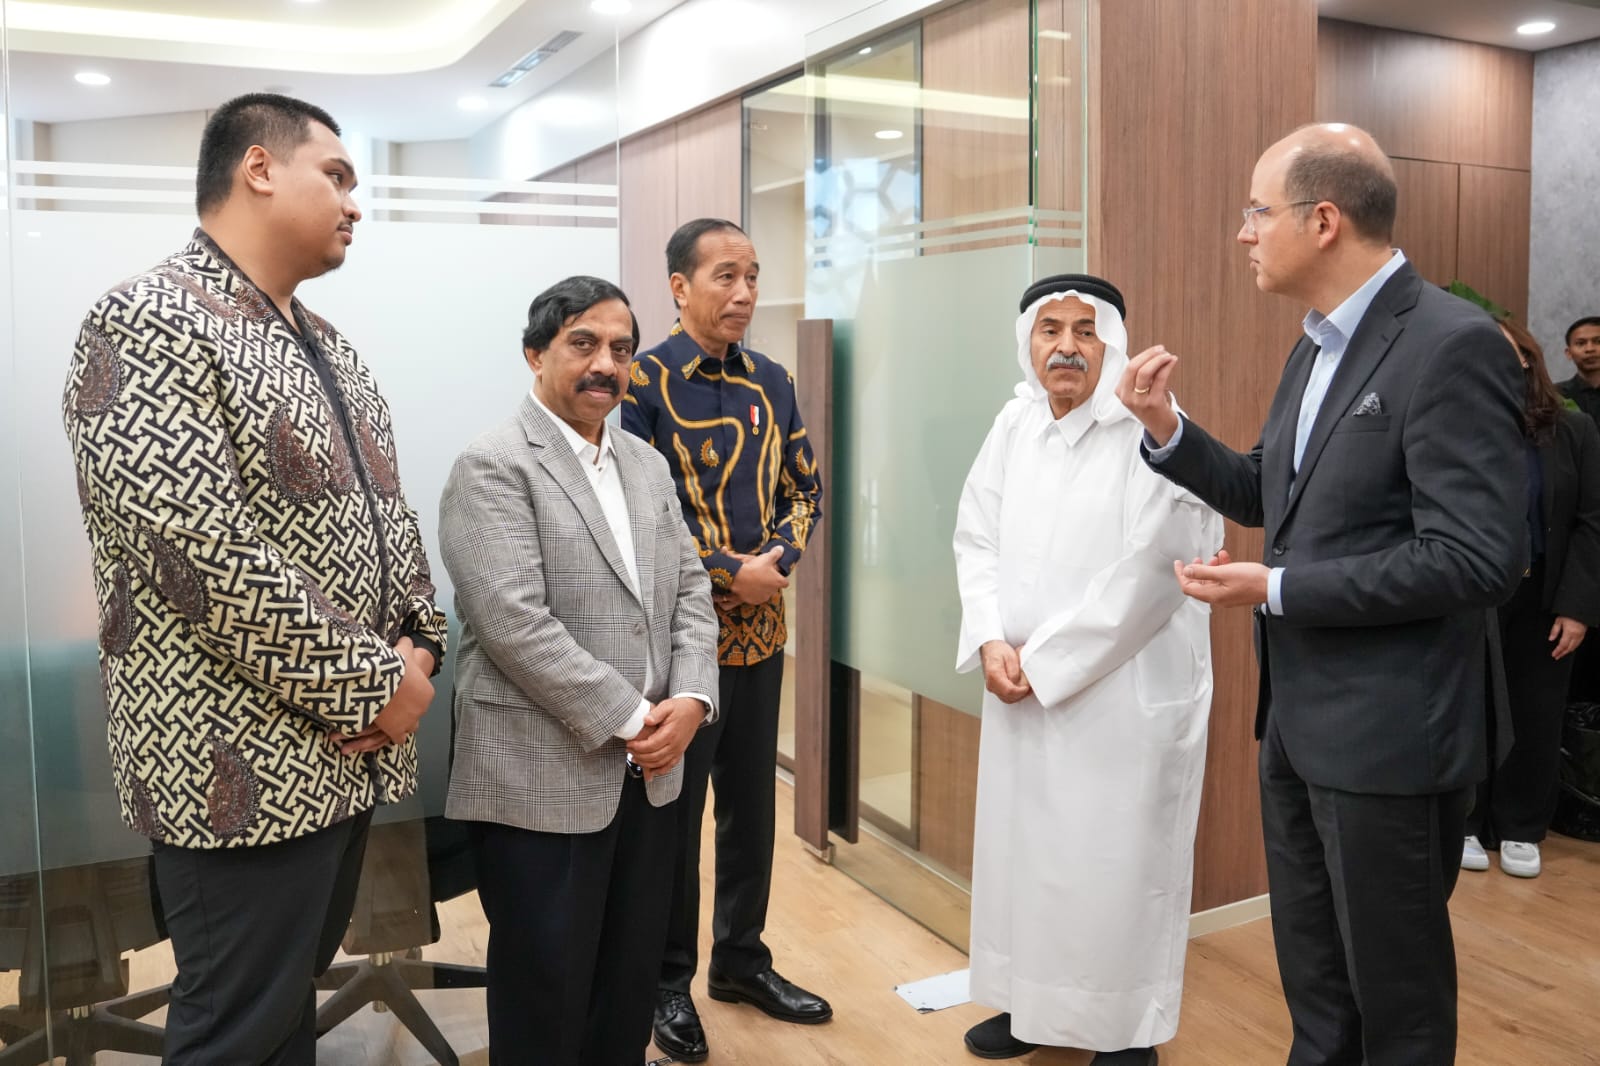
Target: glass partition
100 131
948 176
24 995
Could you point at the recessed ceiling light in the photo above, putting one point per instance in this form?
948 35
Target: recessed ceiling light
472 103
90 77
610 7
867 51
889 135
1529 29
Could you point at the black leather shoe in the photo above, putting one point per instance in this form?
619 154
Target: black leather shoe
784 1000
677 1027
1134 1056
993 1040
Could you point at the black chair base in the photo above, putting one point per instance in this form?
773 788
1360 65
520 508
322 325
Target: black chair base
79 1033
394 980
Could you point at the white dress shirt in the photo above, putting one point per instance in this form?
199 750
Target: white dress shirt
600 463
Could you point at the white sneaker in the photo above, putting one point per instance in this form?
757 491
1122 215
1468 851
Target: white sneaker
1473 857
1519 859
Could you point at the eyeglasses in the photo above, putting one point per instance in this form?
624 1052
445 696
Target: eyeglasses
1250 213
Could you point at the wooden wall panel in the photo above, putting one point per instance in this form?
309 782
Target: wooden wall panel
1428 97
649 208
947 770
1425 226
1178 131
711 163
1060 105
975 164
1494 226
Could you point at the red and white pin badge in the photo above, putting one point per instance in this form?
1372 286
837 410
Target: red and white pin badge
755 419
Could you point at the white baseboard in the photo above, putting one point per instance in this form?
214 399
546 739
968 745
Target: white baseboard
1228 915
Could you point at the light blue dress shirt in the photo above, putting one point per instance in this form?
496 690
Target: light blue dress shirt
1331 333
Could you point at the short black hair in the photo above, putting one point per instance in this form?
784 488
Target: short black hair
566 300
683 249
1363 189
1586 320
280 124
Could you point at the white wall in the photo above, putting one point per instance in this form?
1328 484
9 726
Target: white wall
148 140
700 51
1563 261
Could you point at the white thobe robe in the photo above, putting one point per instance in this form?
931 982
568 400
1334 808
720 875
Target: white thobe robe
1089 788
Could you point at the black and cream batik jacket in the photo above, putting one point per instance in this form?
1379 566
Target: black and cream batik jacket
254 559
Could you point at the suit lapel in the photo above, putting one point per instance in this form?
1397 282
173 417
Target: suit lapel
1277 446
641 520
562 464
1373 339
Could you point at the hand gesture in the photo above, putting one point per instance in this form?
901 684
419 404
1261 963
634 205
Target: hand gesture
1223 582
668 729
1002 671
1567 634
1143 390
758 579
403 713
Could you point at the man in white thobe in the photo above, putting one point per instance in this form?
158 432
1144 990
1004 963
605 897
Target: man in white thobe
1098 678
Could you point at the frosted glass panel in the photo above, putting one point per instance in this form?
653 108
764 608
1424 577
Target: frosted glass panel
919 374
436 311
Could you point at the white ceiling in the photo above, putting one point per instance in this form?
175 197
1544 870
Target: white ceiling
420 56
1484 21
394 69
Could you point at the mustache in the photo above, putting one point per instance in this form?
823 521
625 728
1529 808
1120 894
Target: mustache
597 381
1071 362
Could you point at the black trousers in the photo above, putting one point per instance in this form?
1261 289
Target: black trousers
251 929
738 755
1518 798
1360 886
576 924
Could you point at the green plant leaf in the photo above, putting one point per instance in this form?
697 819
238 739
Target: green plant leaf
1467 292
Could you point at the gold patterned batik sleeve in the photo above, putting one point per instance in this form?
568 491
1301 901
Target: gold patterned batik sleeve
799 500
161 491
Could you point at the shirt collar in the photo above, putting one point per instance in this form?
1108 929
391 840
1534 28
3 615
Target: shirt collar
581 447
697 355
1335 329
1072 425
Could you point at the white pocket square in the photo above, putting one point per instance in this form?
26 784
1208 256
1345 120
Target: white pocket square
1370 405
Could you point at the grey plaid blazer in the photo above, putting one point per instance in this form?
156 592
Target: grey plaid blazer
553 639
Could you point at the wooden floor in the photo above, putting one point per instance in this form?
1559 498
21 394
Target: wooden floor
1529 956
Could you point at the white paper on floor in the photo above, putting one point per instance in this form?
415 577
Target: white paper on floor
936 993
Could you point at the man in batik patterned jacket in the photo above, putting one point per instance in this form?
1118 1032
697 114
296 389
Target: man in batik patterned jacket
726 420
267 621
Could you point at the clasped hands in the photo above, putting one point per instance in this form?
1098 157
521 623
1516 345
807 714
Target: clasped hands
1002 671
403 713
668 729
757 581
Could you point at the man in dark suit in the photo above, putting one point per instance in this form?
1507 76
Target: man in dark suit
1389 481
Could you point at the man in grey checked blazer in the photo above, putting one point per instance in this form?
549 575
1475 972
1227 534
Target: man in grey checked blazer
588 644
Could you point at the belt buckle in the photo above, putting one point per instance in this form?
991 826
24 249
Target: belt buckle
634 769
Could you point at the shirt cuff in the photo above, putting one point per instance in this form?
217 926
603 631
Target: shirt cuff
1159 455
635 722
705 701
1275 591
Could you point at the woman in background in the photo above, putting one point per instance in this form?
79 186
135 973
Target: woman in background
1544 621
